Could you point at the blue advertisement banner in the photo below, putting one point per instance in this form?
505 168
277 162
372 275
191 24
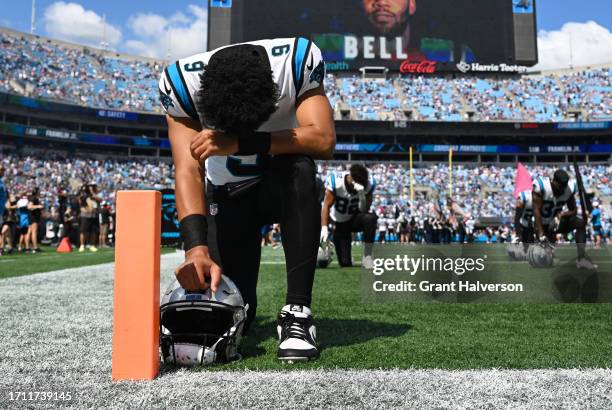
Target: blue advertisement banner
519 149
597 125
22 130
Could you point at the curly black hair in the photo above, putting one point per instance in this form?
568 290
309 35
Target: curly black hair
359 173
237 90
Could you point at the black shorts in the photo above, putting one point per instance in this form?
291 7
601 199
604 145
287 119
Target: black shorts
88 224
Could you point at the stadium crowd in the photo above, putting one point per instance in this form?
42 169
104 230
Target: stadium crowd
42 68
74 197
483 194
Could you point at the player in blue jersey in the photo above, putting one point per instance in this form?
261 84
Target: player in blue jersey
596 222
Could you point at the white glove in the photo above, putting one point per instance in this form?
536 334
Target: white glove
324 234
358 187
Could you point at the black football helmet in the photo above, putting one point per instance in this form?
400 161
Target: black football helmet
201 328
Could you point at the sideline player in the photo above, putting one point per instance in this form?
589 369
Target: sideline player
523 219
348 198
247 120
549 196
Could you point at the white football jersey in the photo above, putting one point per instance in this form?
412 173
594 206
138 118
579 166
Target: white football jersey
297 67
552 205
345 204
527 214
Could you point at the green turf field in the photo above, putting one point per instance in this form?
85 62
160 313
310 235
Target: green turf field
451 336
354 334
17 264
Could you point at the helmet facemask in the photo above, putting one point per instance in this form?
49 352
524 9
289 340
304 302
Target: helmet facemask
198 328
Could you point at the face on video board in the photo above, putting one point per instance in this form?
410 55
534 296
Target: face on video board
389 17
355 33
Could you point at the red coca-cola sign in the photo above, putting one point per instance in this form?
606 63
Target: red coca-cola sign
418 67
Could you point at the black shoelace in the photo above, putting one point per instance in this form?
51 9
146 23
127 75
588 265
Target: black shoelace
295 327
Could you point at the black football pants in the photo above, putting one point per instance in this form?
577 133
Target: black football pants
362 222
285 194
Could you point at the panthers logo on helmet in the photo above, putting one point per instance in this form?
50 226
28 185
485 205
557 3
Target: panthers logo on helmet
201 328
540 256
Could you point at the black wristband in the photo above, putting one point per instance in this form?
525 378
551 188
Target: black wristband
194 231
254 143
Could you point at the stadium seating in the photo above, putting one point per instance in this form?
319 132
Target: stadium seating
484 191
46 69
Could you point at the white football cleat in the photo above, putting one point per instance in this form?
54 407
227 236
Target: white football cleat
297 335
585 263
367 262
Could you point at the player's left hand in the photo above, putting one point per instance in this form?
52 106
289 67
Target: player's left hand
210 143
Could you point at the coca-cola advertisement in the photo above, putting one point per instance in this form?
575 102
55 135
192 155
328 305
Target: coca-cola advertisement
418 67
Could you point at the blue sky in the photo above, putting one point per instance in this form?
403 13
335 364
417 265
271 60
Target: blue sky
18 13
142 27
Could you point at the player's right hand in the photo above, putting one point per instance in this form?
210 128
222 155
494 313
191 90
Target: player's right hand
324 234
358 187
543 240
210 143
199 271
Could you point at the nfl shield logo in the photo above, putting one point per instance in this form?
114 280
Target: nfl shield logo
213 209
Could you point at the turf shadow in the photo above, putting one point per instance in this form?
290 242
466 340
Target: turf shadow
346 332
261 329
330 332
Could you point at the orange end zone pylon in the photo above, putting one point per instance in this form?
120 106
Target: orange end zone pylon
136 298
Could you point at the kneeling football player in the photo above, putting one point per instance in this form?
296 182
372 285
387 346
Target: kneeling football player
348 198
523 219
245 122
549 197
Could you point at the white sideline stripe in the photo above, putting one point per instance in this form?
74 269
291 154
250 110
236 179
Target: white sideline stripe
24 258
